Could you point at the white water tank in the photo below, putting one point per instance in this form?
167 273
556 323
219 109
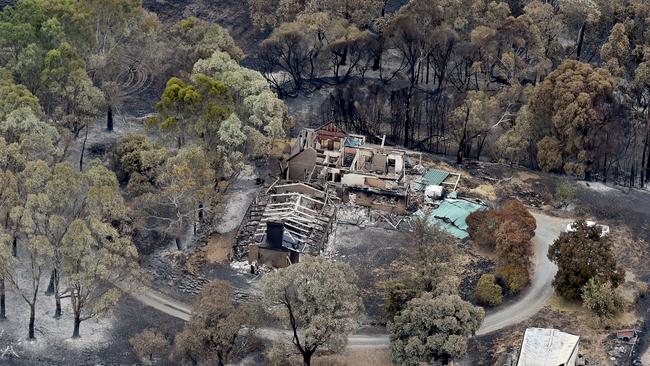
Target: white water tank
434 192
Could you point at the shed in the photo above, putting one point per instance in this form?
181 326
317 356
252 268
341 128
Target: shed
436 177
548 347
626 334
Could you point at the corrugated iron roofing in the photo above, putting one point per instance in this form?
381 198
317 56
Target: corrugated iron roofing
451 215
433 177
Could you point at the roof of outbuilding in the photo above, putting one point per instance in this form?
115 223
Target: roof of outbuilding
451 215
547 347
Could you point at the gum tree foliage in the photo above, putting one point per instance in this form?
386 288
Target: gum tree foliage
124 46
35 258
6 261
148 343
94 254
68 197
30 29
321 301
194 39
43 39
228 109
573 101
429 267
262 116
36 252
187 109
219 328
433 329
616 51
22 122
580 256
22 180
72 214
183 185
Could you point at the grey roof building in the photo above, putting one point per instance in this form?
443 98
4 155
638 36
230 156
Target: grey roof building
548 347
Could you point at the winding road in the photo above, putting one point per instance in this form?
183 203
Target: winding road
540 290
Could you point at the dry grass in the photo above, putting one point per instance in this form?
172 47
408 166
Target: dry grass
526 175
217 250
631 253
560 304
485 191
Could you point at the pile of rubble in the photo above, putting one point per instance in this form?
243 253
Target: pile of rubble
620 346
166 271
285 221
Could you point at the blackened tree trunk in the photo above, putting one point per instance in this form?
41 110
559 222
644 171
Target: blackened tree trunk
50 285
77 323
109 119
83 150
460 153
3 314
14 247
581 39
32 319
306 358
646 149
344 57
57 295
376 63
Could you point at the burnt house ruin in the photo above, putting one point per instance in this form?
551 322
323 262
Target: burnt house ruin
287 221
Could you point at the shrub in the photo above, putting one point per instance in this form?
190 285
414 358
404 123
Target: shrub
513 245
515 211
148 343
515 278
601 299
487 291
398 294
565 193
481 226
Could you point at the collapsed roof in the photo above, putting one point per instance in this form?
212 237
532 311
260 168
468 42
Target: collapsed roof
451 215
305 212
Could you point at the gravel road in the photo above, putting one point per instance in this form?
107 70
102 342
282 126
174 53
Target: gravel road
548 229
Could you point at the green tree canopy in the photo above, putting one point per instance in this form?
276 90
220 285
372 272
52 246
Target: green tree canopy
433 329
321 300
581 255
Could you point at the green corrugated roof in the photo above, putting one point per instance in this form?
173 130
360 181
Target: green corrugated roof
433 177
451 215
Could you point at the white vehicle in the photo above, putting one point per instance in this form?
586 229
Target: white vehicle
604 229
